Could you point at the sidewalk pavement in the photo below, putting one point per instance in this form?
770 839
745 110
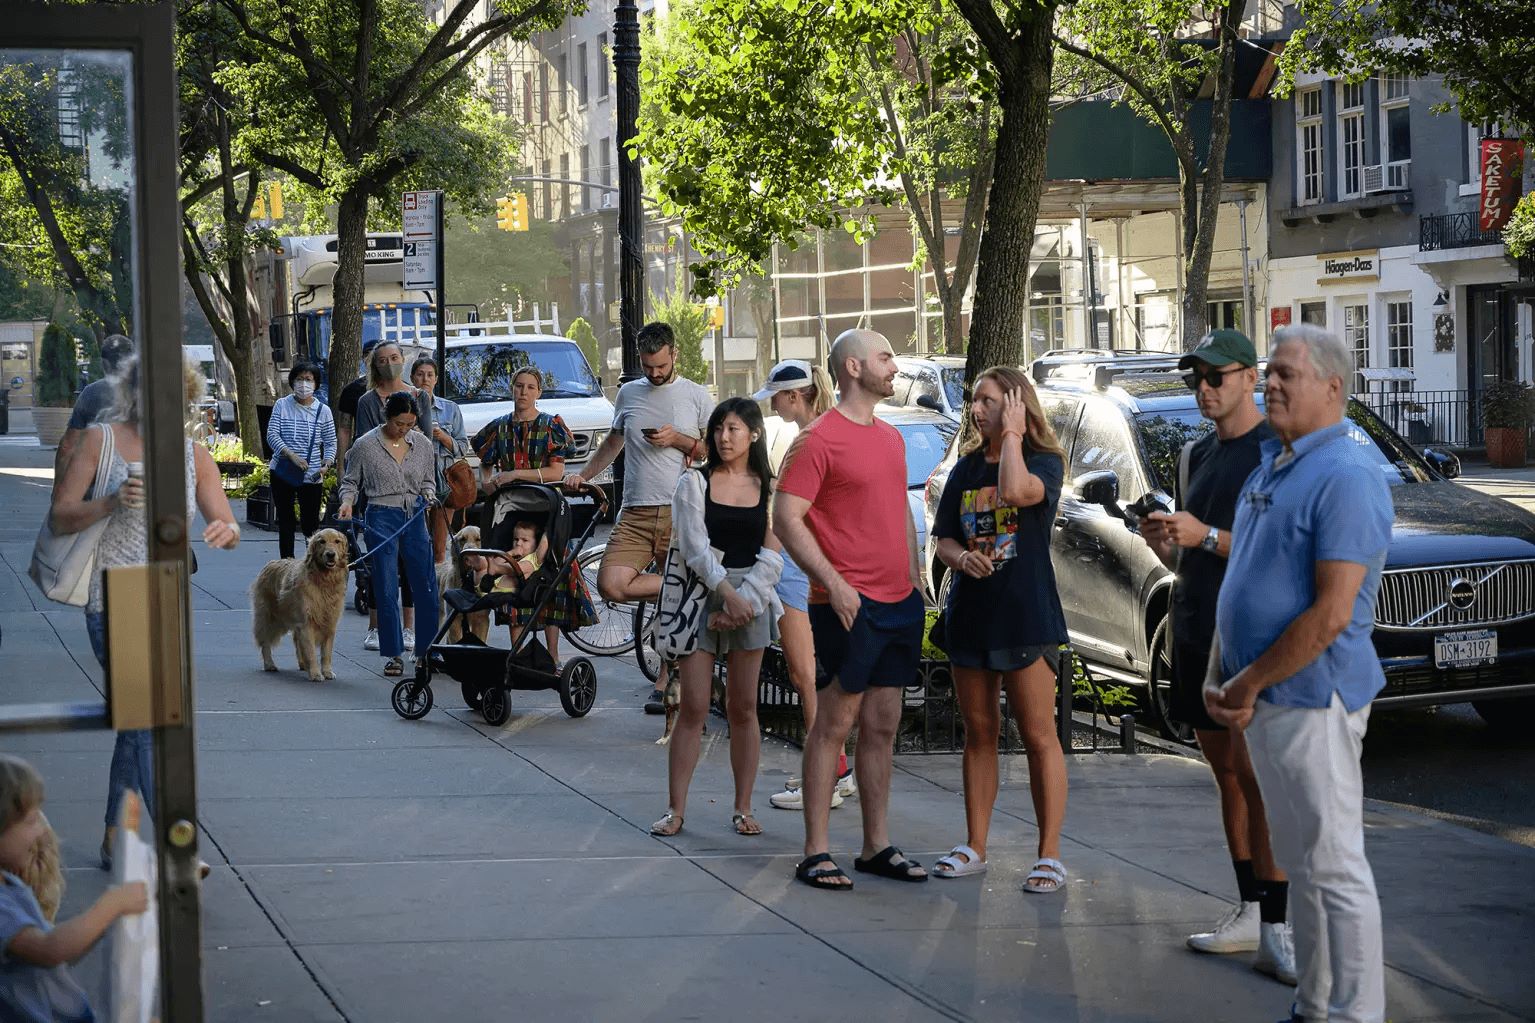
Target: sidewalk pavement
372 869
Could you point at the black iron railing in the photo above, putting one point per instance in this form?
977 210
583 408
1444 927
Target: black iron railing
1454 231
1444 418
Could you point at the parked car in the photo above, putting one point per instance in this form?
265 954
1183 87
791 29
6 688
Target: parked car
935 382
928 435
1455 620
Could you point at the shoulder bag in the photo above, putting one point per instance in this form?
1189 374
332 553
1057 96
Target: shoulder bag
62 566
284 467
459 477
679 609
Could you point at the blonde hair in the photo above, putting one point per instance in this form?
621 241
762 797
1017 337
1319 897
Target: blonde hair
21 790
821 394
374 380
1040 437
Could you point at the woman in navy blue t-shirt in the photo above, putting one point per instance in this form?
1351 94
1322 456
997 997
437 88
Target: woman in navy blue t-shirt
1004 620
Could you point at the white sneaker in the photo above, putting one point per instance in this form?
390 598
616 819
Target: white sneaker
846 786
794 798
1276 952
371 642
410 639
1237 931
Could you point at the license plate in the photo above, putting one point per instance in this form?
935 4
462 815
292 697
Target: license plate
1465 649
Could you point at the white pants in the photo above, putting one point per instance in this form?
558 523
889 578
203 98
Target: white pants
1307 764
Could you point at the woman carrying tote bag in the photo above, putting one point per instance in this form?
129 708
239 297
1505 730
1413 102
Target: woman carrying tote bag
720 531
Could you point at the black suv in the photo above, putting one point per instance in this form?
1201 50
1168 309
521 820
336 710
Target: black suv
1455 619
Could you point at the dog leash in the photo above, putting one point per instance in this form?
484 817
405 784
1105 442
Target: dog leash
420 511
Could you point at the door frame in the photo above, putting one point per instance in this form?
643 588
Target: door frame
147 33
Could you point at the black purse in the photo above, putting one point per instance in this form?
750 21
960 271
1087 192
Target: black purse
283 468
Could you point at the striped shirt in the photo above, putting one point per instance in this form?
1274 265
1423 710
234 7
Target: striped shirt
290 428
372 470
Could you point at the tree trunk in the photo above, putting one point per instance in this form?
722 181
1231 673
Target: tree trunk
1201 198
1018 178
346 317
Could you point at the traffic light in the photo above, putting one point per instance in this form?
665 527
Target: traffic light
512 212
716 317
274 194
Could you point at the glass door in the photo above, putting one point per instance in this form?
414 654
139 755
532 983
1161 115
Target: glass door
88 143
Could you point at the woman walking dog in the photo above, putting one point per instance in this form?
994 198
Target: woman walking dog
1004 619
720 515
394 469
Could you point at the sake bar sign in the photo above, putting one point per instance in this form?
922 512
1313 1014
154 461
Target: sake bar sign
1502 181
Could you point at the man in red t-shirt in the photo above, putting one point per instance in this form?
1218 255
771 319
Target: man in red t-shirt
842 514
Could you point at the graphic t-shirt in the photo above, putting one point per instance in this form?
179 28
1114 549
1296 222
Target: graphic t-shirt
854 477
1017 605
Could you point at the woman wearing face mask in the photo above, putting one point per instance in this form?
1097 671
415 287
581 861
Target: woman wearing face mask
302 435
450 437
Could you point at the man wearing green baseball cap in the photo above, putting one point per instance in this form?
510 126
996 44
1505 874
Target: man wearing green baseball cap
1195 541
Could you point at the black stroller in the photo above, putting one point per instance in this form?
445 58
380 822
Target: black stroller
356 551
488 673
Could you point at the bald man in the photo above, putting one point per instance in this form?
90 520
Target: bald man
841 512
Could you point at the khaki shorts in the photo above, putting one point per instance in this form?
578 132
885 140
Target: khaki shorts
640 538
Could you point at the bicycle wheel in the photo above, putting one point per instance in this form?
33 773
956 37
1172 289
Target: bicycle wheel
613 632
643 625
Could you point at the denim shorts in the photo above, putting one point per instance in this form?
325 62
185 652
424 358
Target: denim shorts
794 585
884 647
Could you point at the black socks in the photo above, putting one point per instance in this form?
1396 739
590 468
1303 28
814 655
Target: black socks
1247 881
1271 908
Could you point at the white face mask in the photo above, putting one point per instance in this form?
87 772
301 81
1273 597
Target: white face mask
304 388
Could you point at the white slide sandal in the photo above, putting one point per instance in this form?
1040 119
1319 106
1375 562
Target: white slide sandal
1053 872
962 861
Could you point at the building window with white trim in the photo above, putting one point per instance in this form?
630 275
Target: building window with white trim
1399 339
1395 133
602 65
1314 313
1474 135
1309 145
1350 140
1356 335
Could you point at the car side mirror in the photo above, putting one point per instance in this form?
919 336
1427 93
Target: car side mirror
927 401
1445 463
1099 487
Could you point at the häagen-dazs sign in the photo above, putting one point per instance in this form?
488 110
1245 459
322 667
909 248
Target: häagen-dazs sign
1338 267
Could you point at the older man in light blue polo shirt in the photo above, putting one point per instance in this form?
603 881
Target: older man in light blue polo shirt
1293 664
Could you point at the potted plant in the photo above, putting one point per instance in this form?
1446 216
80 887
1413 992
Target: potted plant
1507 408
54 388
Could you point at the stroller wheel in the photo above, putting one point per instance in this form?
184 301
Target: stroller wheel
578 687
472 695
411 706
494 706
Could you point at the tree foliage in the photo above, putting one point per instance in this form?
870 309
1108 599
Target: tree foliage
1158 57
761 120
54 386
64 214
585 338
495 269
366 99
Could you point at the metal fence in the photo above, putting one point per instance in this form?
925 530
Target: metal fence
1444 418
1454 231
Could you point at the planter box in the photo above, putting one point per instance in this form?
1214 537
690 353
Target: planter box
1505 446
51 424
236 470
259 511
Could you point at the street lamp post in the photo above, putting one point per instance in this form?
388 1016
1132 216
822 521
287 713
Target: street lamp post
631 238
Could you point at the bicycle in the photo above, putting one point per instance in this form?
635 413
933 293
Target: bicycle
618 623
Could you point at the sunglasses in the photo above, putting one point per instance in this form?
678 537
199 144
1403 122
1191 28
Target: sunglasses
1213 377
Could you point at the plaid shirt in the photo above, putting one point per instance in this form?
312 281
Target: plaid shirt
538 443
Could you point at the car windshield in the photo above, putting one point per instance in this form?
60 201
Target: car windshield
1164 432
925 445
483 372
954 386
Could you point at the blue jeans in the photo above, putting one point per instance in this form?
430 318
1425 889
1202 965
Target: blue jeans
413 548
133 758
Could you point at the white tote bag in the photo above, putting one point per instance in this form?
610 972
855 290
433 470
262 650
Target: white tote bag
62 566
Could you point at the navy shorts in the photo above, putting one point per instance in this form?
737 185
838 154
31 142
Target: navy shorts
883 649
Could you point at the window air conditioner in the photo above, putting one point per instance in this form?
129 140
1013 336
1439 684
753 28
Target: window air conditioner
1374 179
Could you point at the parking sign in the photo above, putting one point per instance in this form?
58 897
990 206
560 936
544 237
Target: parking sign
418 219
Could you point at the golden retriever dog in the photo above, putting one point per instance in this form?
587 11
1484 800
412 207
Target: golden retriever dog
45 873
304 598
449 577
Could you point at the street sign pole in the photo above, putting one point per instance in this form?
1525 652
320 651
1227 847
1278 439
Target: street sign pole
442 306
631 241
421 217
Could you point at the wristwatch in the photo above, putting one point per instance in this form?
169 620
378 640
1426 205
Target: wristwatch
1212 540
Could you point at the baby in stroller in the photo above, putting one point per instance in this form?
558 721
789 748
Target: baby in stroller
510 573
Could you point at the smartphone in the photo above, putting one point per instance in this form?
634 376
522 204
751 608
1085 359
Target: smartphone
650 431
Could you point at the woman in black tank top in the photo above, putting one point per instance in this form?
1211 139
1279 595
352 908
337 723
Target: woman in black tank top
720 527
